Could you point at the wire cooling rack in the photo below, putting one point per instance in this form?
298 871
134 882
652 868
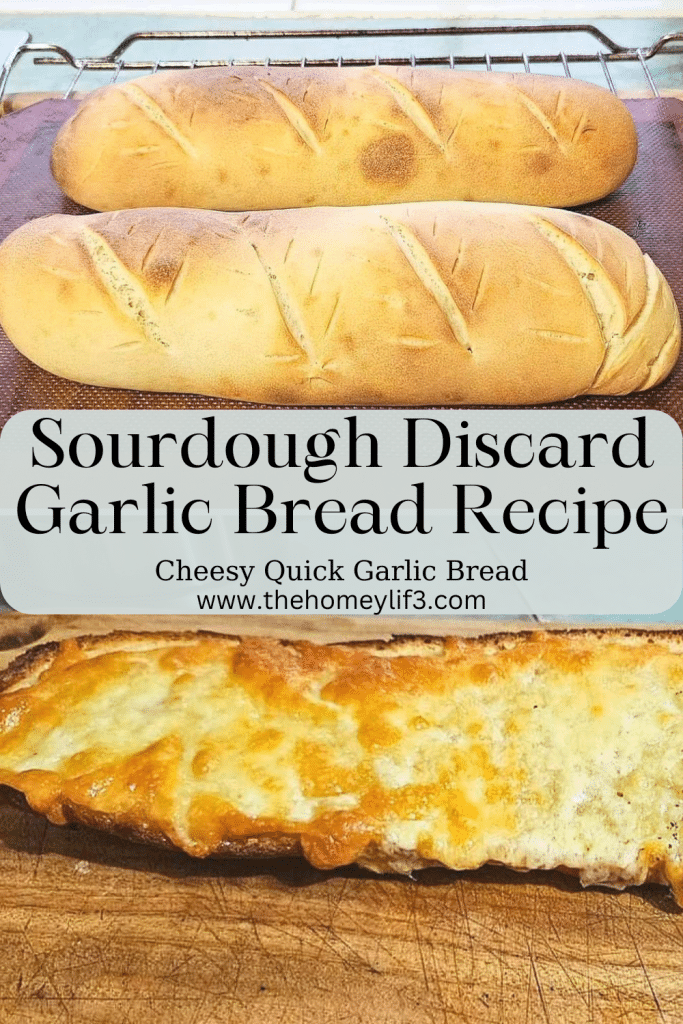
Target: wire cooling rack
607 54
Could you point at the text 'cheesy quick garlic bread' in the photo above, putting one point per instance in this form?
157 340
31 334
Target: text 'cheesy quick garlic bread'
257 138
421 304
537 750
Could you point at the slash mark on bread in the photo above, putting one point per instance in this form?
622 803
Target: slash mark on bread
139 98
421 262
123 288
139 150
558 335
602 295
662 363
546 285
315 276
68 275
146 257
456 127
294 115
481 287
411 341
290 316
639 328
177 277
624 342
458 255
581 126
412 108
558 102
332 315
545 122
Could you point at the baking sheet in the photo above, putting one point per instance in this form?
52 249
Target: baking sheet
649 207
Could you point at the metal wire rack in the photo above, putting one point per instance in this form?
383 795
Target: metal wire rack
609 52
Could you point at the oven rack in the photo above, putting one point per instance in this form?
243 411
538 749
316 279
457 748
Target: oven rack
116 62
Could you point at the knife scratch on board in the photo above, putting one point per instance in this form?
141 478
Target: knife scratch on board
334 903
462 906
357 959
588 933
418 939
586 1000
644 969
42 968
456 923
539 988
41 848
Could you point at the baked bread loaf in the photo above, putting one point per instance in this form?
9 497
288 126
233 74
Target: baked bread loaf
537 750
423 304
14 101
255 138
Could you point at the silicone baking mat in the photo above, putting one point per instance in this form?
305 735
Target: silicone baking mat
649 207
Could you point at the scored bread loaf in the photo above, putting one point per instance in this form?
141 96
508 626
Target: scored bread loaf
537 750
12 102
255 138
429 303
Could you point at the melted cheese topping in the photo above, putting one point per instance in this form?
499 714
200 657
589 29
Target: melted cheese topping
532 751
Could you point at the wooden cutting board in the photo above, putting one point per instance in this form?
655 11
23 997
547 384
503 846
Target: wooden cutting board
94 930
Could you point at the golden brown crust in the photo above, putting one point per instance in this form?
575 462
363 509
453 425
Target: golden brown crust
254 138
29 662
42 655
426 304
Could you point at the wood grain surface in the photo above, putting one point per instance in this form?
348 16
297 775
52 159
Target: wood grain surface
94 930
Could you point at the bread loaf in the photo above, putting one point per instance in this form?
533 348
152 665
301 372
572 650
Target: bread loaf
431 303
535 751
12 102
255 138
